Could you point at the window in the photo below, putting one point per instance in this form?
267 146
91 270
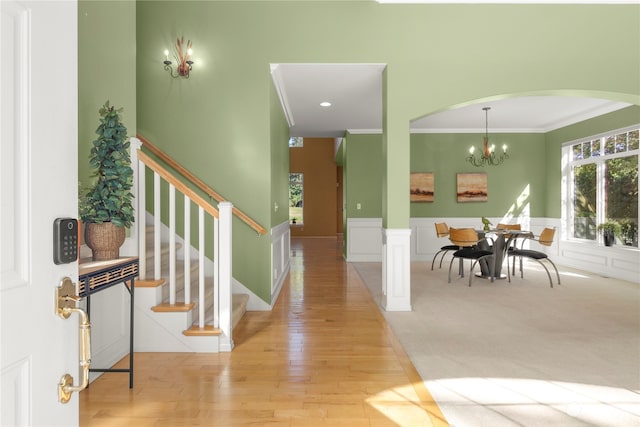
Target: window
296 198
584 205
296 141
603 185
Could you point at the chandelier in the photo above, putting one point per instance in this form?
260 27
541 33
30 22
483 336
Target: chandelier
488 155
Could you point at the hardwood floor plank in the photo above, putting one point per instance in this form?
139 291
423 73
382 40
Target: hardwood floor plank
324 356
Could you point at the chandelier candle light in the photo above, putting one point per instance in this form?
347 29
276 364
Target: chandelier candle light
488 155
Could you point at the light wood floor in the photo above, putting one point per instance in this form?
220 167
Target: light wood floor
323 357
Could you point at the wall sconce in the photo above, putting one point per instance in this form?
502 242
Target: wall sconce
185 64
488 155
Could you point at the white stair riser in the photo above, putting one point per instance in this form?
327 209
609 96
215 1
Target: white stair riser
162 332
145 298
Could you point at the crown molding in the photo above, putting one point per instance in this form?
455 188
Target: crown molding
276 76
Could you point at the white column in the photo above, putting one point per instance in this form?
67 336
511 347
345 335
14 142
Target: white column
396 269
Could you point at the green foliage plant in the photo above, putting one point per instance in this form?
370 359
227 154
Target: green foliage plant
110 198
629 232
611 227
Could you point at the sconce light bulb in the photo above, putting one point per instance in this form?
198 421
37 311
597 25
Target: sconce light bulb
166 54
504 148
471 150
493 148
190 52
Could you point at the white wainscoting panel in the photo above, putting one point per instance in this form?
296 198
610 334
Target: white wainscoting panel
364 239
616 261
280 257
424 241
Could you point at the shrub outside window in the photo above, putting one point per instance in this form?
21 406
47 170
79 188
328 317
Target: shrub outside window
296 198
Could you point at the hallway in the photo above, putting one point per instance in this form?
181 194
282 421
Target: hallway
324 356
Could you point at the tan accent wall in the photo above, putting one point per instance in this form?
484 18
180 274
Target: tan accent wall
316 160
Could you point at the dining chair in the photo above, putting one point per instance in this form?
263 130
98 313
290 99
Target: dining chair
545 239
508 236
466 239
442 230
502 226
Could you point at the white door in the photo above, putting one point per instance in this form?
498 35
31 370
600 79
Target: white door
38 183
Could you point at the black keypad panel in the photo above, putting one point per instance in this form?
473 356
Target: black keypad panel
65 240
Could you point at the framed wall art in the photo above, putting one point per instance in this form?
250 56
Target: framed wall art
421 187
472 187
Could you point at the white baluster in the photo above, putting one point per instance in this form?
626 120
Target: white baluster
187 250
172 244
216 279
134 248
201 248
156 227
141 218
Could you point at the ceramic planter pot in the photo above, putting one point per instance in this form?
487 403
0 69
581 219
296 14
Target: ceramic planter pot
609 238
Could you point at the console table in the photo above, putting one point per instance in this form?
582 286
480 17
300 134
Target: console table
95 276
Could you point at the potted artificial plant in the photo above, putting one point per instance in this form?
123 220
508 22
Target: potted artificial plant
106 208
610 230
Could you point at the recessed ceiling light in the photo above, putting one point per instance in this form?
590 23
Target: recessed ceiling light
325 104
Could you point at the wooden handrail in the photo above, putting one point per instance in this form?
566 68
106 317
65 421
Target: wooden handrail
171 179
199 183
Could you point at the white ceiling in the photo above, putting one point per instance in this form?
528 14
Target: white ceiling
355 91
514 1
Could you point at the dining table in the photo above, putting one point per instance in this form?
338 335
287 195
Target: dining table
501 240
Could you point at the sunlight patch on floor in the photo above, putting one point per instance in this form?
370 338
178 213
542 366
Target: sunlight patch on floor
401 405
571 274
515 402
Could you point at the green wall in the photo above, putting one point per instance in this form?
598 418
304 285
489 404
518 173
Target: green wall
106 69
219 121
530 179
517 184
362 176
279 161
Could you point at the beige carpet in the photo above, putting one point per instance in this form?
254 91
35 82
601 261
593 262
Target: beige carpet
523 354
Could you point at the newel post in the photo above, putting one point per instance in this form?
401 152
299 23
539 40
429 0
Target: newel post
130 245
225 274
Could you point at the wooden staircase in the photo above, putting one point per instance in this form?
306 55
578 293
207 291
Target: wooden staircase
164 327
172 316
